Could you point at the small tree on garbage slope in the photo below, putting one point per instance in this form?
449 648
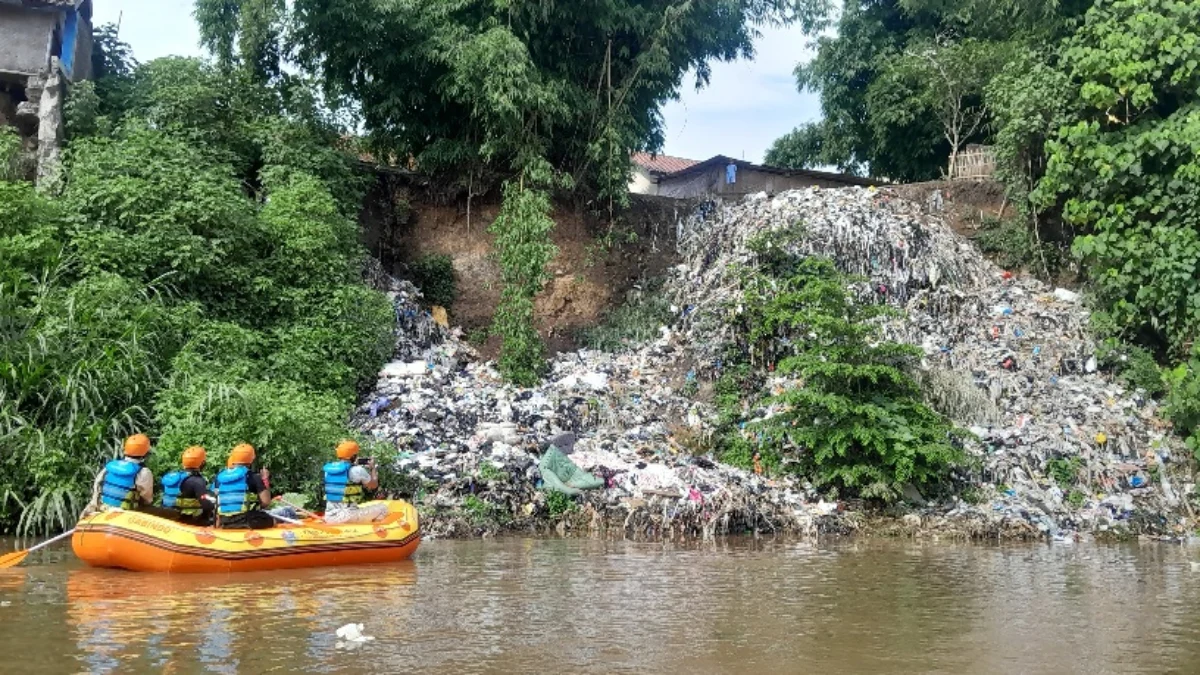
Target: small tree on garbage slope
522 230
853 419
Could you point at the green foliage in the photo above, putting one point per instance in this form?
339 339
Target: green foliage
462 86
558 503
1134 366
1076 498
294 429
1028 107
1183 401
854 420
1064 470
522 230
490 472
1124 171
196 281
434 275
944 78
901 82
478 336
636 321
1013 245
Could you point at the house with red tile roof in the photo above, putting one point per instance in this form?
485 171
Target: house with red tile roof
723 176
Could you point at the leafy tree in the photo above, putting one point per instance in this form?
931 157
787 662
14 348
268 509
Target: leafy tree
853 419
896 68
948 78
1125 170
503 90
522 231
200 278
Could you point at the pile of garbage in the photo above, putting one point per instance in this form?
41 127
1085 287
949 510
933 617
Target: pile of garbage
1063 449
473 444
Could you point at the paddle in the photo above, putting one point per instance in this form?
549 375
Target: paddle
300 510
14 559
317 526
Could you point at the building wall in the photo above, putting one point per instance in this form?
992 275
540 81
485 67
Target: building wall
83 52
749 181
640 183
25 39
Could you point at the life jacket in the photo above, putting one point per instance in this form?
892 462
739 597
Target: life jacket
119 489
187 506
233 492
338 488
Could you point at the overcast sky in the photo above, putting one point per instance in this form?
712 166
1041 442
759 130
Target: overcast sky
747 105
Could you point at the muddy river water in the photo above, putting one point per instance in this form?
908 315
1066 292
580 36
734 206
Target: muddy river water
583 606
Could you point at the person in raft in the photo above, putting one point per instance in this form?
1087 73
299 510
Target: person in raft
125 483
346 481
186 491
244 496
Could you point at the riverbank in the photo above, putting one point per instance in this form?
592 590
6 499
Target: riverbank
1058 450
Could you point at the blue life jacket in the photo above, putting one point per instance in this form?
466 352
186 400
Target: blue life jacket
172 482
338 488
233 492
119 489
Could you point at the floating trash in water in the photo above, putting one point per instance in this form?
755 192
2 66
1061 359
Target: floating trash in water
351 636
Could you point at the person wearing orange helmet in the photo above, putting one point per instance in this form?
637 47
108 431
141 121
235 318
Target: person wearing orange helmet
186 491
125 483
346 481
243 495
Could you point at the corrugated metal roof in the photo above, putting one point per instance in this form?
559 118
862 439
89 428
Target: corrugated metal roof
662 163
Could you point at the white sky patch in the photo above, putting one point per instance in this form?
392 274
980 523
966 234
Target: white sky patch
747 104
154 28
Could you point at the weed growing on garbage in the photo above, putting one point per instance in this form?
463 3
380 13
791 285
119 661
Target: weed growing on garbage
636 321
558 503
482 513
434 275
1012 244
490 472
849 417
1064 470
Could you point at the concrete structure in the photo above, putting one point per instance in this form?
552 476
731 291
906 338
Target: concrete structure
34 31
723 176
44 45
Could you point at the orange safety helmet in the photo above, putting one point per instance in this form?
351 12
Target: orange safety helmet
137 445
243 453
347 449
194 457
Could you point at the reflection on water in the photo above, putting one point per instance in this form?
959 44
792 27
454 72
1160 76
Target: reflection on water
586 606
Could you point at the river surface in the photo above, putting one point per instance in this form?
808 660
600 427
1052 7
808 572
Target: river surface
584 606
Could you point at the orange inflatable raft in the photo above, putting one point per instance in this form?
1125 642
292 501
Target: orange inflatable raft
145 543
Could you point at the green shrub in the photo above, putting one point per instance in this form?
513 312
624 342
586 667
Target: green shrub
434 275
210 293
558 503
857 424
293 429
1133 365
1012 245
522 230
1064 471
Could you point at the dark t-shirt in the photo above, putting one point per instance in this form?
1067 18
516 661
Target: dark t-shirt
195 487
